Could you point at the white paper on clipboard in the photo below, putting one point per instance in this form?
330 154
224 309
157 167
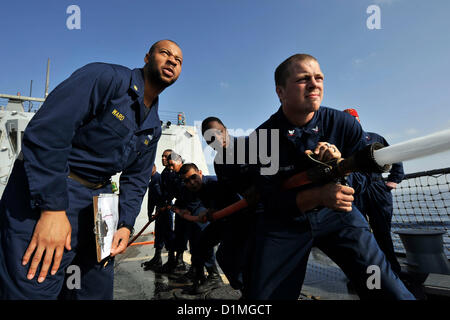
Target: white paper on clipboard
106 217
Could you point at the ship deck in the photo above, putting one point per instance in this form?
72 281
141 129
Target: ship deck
324 280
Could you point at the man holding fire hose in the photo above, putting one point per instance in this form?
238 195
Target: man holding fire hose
319 214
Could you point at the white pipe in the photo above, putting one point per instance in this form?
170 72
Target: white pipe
21 98
414 148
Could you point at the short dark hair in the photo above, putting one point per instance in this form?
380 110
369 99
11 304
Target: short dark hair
186 167
175 157
153 47
168 150
282 72
207 121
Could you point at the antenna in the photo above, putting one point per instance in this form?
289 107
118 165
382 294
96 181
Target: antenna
46 80
31 91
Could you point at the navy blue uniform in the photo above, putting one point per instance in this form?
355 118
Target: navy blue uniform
172 187
205 236
285 235
164 221
94 124
235 174
375 201
155 196
232 167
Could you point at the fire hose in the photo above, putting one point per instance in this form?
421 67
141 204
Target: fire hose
321 173
374 158
153 218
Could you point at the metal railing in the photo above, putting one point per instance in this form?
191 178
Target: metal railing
175 117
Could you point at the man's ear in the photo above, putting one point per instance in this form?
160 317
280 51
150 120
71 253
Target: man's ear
147 58
280 92
200 172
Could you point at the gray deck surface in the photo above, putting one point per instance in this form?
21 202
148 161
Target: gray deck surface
323 281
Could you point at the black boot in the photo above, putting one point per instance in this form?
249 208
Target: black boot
180 266
169 266
213 281
199 279
155 263
187 277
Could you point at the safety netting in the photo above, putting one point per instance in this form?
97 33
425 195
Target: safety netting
422 201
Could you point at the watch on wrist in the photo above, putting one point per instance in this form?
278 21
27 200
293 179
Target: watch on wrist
123 224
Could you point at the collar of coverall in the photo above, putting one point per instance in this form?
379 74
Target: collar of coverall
312 127
137 86
137 83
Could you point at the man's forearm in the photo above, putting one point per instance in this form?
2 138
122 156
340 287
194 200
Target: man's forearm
308 199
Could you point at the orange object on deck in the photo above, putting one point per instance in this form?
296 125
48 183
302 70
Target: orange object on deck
141 243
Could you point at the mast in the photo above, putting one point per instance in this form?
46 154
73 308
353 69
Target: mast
47 78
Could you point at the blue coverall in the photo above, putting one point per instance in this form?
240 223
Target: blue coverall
205 236
164 235
172 187
375 201
235 173
94 125
285 235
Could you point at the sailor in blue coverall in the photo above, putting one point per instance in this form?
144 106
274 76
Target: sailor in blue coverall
163 222
319 215
374 198
376 203
209 194
164 230
172 188
235 174
100 121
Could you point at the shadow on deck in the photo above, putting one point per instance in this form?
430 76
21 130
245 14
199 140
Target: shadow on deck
323 281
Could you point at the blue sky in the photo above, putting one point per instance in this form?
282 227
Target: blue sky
397 76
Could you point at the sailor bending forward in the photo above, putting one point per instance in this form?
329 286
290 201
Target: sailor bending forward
100 121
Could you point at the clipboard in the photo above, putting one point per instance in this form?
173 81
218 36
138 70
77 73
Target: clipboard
106 218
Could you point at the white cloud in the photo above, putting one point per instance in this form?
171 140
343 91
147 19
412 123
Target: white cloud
357 61
411 131
400 136
224 84
360 61
431 162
